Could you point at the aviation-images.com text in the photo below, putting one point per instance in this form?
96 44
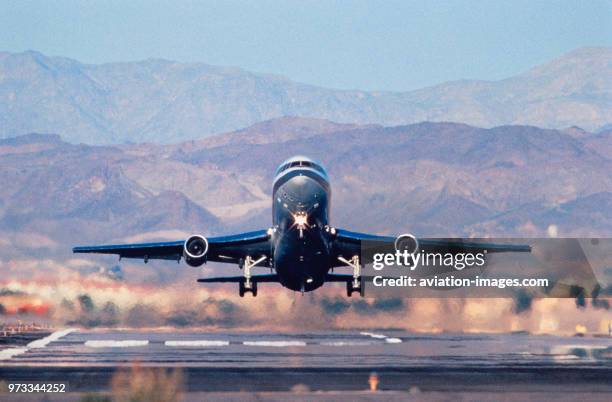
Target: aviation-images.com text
403 259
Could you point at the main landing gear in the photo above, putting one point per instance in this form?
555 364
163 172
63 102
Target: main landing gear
242 289
247 285
356 285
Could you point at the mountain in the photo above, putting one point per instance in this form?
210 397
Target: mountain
163 101
432 179
61 193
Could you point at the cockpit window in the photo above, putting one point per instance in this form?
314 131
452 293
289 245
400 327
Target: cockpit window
293 164
302 164
281 168
317 168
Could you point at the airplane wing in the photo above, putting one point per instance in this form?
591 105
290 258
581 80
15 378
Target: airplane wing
229 249
348 244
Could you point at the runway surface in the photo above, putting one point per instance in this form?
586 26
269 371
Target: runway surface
323 361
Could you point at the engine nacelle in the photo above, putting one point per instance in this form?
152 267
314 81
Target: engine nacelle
195 250
406 242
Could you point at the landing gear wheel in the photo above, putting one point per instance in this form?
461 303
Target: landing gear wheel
247 284
242 290
356 285
350 289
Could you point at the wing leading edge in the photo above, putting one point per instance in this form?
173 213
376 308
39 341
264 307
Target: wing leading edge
230 249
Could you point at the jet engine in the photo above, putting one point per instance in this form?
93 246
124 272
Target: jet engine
195 250
406 242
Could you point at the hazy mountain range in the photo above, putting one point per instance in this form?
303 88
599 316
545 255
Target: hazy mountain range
429 178
163 101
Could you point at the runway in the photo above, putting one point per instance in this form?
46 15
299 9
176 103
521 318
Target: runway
327 361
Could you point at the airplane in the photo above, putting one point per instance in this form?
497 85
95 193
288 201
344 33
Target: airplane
301 247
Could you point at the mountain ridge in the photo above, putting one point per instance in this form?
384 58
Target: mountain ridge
164 101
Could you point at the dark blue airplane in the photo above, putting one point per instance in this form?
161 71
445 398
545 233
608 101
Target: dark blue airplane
301 247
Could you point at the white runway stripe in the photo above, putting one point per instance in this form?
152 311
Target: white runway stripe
201 343
7 354
373 335
116 344
381 336
41 343
347 343
277 344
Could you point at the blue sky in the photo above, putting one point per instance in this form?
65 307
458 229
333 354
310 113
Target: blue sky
385 45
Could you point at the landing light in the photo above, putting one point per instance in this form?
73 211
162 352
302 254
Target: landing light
300 220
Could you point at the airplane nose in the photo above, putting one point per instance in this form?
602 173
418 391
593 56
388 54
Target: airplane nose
304 188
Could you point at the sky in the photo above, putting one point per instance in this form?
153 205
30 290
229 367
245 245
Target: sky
370 45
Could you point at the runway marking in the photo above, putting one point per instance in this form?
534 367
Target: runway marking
41 343
277 344
381 336
7 354
373 335
347 343
202 343
116 344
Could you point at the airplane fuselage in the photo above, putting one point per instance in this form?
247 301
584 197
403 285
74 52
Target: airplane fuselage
301 246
